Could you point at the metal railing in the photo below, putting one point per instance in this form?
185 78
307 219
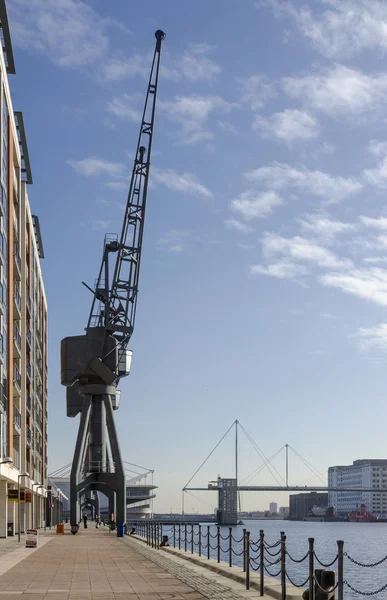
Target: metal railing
257 557
16 417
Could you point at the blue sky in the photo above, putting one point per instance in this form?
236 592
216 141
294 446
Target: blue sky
263 288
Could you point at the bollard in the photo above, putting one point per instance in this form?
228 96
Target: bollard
340 569
324 586
179 536
283 565
244 550
200 540
311 568
247 560
261 562
218 543
208 542
230 547
192 539
174 535
185 537
164 541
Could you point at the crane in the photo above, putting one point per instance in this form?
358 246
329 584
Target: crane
93 364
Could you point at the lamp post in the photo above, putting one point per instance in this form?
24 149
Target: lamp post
18 502
33 502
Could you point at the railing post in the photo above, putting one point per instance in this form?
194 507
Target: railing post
174 535
200 540
261 562
247 560
340 569
185 537
159 534
208 542
283 565
230 547
218 543
244 550
311 568
179 536
192 539
147 533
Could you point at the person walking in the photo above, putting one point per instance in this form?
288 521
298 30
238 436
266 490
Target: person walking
85 521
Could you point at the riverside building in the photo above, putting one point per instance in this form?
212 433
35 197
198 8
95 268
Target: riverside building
365 473
23 323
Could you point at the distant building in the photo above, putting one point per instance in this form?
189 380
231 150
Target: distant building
365 473
284 511
227 513
300 505
273 507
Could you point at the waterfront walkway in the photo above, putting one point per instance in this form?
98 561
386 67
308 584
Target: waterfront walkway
96 564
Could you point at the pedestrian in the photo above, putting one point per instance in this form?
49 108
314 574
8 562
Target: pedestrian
85 521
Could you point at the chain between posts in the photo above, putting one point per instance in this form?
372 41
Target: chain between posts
255 555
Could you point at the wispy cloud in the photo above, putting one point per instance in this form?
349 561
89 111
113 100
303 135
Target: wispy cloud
329 187
324 227
288 125
252 205
374 222
302 250
372 338
117 186
180 182
367 284
192 112
282 269
124 107
256 91
71 33
340 91
96 166
174 240
378 175
98 224
342 28
238 226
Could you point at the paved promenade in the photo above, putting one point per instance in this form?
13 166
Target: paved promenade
95 564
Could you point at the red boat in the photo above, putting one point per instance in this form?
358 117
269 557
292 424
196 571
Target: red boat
361 516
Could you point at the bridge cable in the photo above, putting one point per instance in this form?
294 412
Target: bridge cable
247 479
261 454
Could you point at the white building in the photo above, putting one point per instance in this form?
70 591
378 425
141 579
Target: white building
365 473
273 507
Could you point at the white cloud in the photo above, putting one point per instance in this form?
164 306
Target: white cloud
117 186
196 66
281 269
96 166
324 227
289 125
369 284
69 32
374 223
377 176
174 240
331 188
378 148
123 108
192 112
253 205
180 182
235 224
370 338
303 250
256 91
343 28
339 91
115 69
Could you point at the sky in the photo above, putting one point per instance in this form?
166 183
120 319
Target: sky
263 287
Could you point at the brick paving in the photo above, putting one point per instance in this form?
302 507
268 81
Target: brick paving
95 564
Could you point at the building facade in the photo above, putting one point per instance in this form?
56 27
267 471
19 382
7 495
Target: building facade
365 473
23 321
300 505
273 507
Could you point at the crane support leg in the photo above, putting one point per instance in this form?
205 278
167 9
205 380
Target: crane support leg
76 469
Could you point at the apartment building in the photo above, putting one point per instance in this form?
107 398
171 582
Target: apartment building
23 322
365 473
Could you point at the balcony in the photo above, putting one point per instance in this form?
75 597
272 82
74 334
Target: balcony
17 298
28 370
17 261
16 458
28 437
28 404
17 341
28 337
28 302
16 379
17 419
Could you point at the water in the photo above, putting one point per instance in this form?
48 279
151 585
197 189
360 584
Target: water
365 542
